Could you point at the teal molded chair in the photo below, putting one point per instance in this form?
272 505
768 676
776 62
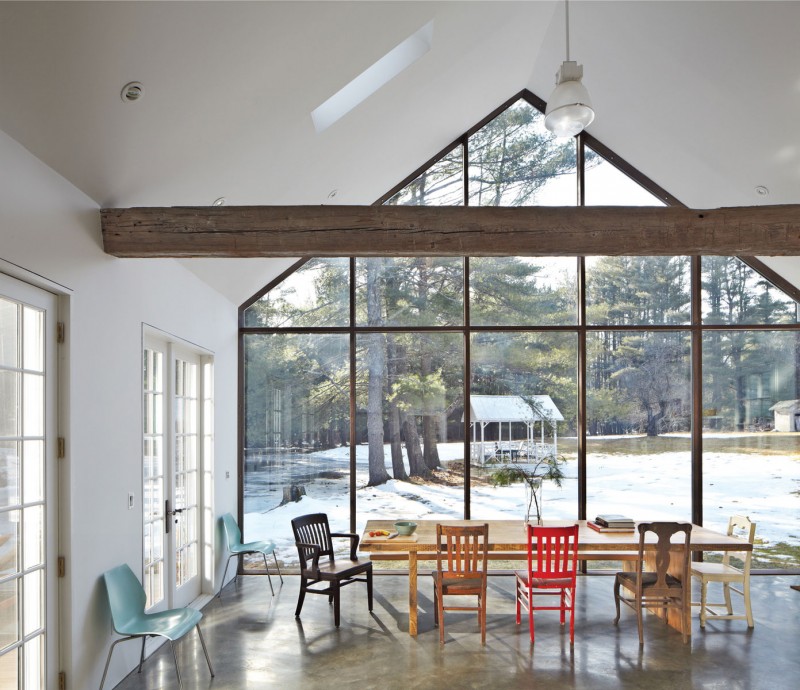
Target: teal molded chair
233 536
127 599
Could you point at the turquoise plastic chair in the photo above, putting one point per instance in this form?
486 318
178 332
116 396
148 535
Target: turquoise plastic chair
233 536
127 599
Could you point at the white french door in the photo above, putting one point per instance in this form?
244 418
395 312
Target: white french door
177 428
28 487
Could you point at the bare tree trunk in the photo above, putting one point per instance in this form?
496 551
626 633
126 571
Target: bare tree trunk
398 468
376 361
429 440
416 462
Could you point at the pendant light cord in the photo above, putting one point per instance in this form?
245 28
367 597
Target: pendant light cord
566 15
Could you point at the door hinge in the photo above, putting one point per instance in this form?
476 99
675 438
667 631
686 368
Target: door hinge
62 566
62 681
61 332
62 448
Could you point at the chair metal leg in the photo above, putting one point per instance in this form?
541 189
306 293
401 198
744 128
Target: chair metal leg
141 658
269 578
177 671
369 589
222 582
110 652
277 567
205 651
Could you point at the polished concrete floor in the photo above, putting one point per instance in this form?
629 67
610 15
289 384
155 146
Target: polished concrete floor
255 641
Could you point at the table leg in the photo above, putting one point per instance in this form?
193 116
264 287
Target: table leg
412 593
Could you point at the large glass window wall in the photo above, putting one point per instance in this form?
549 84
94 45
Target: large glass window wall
418 387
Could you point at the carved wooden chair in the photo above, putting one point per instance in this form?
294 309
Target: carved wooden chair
728 574
320 573
552 571
659 588
461 568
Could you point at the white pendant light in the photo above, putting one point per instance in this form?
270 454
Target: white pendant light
569 108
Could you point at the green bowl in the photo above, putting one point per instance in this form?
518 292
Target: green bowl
405 528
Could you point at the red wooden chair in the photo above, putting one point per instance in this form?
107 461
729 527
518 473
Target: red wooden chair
552 571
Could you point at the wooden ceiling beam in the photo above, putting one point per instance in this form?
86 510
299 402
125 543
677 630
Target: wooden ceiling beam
329 231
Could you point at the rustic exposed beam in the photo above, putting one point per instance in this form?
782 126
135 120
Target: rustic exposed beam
299 231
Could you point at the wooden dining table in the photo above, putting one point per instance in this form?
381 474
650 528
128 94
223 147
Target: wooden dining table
508 542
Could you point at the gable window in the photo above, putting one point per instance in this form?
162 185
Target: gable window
399 386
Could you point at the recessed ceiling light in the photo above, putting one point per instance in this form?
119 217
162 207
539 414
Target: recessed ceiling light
132 91
219 202
761 190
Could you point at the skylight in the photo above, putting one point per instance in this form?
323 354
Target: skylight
373 78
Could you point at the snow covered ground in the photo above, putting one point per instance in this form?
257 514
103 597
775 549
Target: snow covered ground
766 487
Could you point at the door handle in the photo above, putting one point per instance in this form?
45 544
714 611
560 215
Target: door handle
168 512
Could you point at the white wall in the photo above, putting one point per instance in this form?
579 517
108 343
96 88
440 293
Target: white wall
49 228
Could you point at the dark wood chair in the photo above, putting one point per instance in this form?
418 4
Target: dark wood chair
320 573
659 588
461 568
552 571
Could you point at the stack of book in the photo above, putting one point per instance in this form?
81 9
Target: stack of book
612 523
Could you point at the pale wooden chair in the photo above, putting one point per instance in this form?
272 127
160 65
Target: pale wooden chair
461 568
658 588
728 575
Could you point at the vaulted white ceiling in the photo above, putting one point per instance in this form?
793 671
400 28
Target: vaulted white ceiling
703 97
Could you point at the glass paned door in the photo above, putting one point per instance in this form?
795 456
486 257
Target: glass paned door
28 537
172 443
184 527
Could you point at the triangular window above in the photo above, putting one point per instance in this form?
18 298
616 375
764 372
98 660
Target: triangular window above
733 294
440 185
607 185
515 161
316 295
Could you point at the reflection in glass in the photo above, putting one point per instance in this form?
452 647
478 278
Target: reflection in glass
733 293
33 588
420 291
515 161
751 444
33 471
315 295
33 537
440 185
9 402
297 417
9 333
9 538
9 615
33 404
518 291
33 343
638 424
33 656
9 473
607 185
523 410
637 290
